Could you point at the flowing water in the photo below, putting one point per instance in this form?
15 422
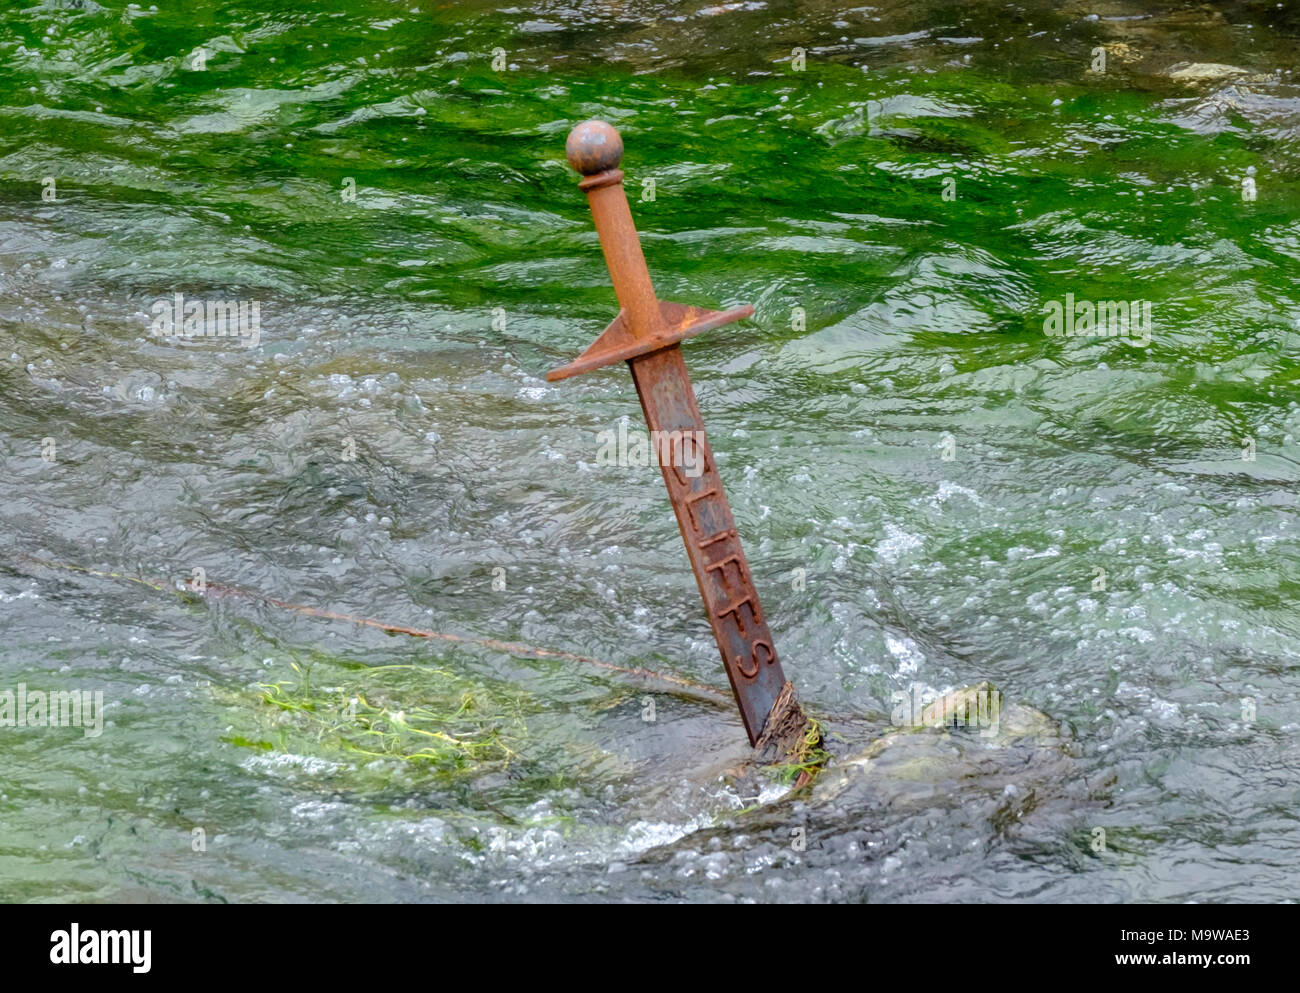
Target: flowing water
932 490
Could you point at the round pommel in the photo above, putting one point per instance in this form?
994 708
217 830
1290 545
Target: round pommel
593 147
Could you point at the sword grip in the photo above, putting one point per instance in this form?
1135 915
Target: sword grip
595 149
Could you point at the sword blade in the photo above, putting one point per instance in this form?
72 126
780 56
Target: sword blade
709 531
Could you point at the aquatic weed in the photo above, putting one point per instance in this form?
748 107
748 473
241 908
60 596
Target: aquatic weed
454 724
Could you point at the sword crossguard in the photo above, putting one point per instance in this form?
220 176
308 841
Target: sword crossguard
644 323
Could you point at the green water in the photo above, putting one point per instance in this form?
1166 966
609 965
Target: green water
1107 532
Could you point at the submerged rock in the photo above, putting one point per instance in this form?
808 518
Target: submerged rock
973 763
967 736
1208 72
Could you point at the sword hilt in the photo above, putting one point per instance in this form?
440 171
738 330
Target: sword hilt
644 323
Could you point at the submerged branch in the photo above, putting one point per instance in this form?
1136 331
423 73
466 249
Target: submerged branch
647 677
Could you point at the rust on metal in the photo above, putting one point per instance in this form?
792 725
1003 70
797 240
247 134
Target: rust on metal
647 334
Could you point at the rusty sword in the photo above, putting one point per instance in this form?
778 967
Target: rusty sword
647 334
